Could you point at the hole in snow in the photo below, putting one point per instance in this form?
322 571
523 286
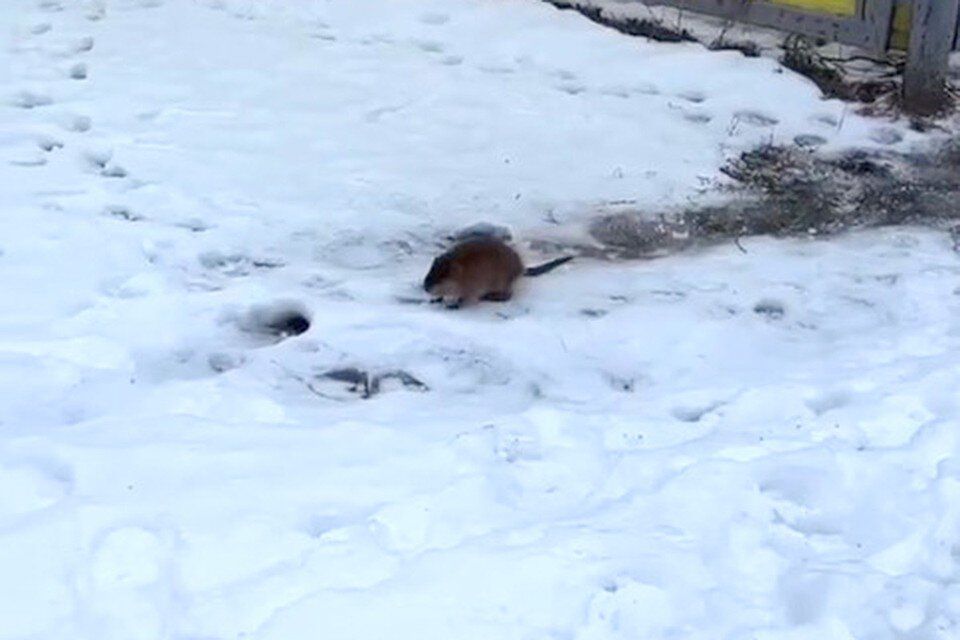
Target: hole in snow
278 320
772 309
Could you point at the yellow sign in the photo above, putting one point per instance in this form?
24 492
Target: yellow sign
901 28
835 7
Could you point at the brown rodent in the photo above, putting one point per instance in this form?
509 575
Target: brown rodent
479 269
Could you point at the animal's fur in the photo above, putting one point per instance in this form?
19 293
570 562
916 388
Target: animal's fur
479 269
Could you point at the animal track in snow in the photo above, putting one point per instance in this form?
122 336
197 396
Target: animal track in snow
122 212
95 13
77 124
78 71
615 91
41 28
113 171
236 264
572 88
696 117
83 45
31 100
367 384
434 18
48 144
809 140
827 400
694 413
100 161
755 118
772 309
827 120
36 160
430 46
886 135
222 361
50 6
495 69
695 97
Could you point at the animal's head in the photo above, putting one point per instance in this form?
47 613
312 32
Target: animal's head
438 274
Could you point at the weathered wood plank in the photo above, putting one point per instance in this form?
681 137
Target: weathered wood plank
932 33
848 30
878 14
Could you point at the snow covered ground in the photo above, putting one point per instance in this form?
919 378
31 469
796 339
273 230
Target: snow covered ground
717 445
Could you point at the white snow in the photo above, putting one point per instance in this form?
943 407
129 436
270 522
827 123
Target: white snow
714 445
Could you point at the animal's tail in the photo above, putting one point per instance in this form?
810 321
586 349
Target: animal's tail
541 269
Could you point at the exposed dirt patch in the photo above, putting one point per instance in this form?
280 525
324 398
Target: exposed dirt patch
784 191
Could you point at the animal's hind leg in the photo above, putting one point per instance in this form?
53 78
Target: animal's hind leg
497 296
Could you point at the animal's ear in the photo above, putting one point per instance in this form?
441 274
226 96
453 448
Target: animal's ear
439 270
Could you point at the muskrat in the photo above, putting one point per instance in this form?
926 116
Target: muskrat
480 269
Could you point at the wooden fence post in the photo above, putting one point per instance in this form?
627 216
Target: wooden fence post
931 39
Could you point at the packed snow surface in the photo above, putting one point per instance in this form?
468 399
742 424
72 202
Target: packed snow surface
725 444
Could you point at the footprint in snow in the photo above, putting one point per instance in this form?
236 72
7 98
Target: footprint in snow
827 400
695 413
430 46
572 88
77 123
769 308
696 116
96 13
122 212
434 18
809 140
31 100
48 144
83 45
236 264
615 91
827 120
695 97
755 118
495 69
33 160
78 71
50 6
886 135
620 383
41 28
100 162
